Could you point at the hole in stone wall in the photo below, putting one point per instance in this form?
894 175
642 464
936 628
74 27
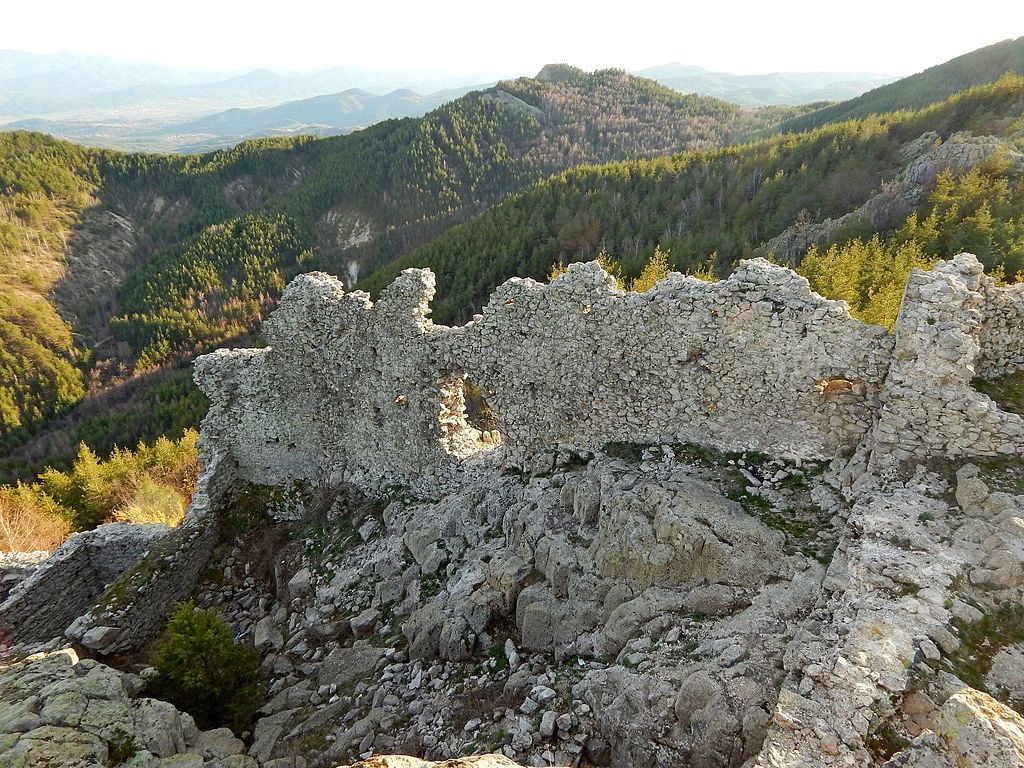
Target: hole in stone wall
468 423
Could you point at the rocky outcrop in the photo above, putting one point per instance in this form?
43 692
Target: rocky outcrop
59 711
971 729
923 160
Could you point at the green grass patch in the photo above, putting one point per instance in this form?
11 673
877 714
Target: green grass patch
1007 391
981 641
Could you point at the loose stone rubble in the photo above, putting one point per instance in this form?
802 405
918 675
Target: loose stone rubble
826 568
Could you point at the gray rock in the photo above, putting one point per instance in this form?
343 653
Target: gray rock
219 742
547 724
345 666
300 584
266 635
364 624
100 637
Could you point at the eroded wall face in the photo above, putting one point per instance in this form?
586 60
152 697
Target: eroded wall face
359 391
954 324
738 364
1001 337
344 388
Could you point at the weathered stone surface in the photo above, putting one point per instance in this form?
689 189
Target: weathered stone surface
219 742
728 363
300 583
401 761
266 635
348 665
1006 674
99 637
81 711
978 730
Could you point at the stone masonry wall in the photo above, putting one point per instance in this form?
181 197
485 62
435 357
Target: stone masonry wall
738 364
78 572
363 392
1002 331
344 386
951 321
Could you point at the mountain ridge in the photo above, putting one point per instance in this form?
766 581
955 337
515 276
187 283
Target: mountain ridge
932 84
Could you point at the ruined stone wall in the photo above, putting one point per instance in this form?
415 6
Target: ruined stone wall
951 321
349 390
77 572
135 607
1001 337
345 388
368 393
738 364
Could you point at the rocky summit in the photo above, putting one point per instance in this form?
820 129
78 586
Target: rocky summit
710 525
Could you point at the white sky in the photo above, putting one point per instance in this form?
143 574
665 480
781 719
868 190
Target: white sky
892 36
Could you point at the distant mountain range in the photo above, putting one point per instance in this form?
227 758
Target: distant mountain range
99 102
760 90
331 115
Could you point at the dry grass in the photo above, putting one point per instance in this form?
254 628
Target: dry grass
28 526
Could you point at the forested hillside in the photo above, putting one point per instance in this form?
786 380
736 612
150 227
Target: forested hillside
120 263
984 65
727 204
37 353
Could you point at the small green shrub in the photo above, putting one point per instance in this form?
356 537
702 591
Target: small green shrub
120 748
200 669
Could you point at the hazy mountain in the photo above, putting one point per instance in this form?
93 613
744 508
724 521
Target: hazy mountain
759 90
84 87
131 106
984 65
330 115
